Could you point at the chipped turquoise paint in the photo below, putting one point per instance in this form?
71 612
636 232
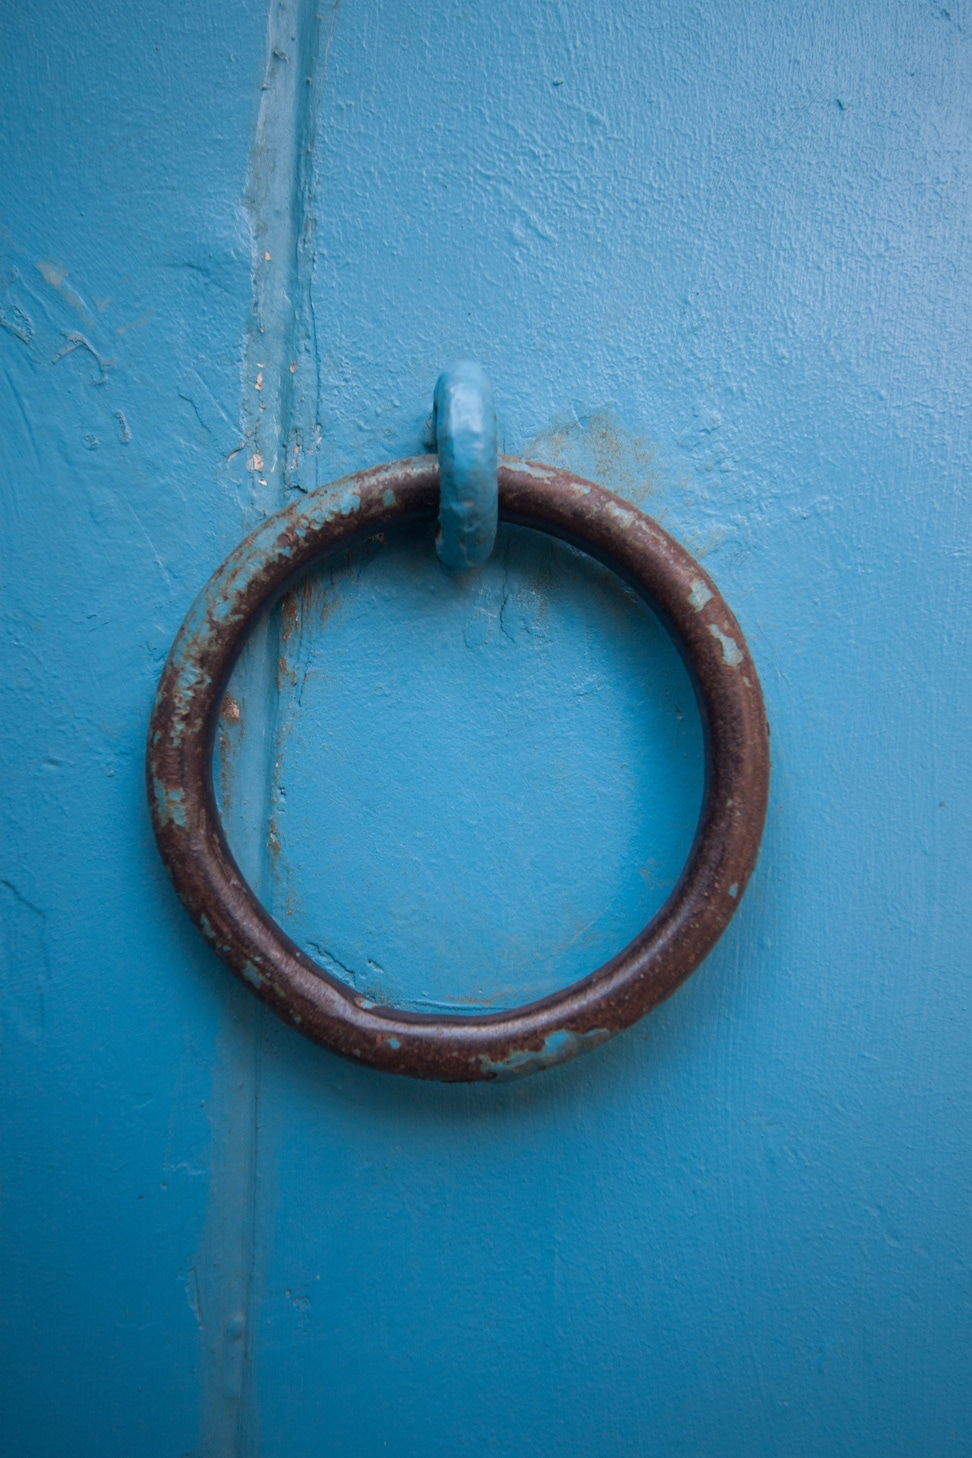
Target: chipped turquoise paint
464 425
171 804
719 257
557 1048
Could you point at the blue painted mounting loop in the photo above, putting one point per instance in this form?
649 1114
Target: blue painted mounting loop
465 436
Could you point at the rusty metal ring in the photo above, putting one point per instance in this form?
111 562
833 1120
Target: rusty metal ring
194 849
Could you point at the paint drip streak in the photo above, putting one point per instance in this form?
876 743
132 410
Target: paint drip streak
280 370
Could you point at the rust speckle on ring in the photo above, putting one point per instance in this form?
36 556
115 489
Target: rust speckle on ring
179 770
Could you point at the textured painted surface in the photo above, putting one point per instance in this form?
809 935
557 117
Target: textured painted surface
719 258
517 792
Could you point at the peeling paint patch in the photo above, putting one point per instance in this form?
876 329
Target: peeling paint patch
626 518
171 804
731 654
77 341
557 1048
699 595
18 323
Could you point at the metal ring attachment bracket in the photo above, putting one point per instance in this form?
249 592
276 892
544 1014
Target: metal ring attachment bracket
465 438
217 897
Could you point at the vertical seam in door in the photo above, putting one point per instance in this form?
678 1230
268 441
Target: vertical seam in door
278 424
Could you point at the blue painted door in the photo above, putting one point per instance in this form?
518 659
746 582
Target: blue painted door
716 257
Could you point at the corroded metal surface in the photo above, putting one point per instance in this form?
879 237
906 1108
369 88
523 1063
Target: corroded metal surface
671 946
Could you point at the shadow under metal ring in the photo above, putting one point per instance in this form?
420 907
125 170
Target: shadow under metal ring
459 1048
